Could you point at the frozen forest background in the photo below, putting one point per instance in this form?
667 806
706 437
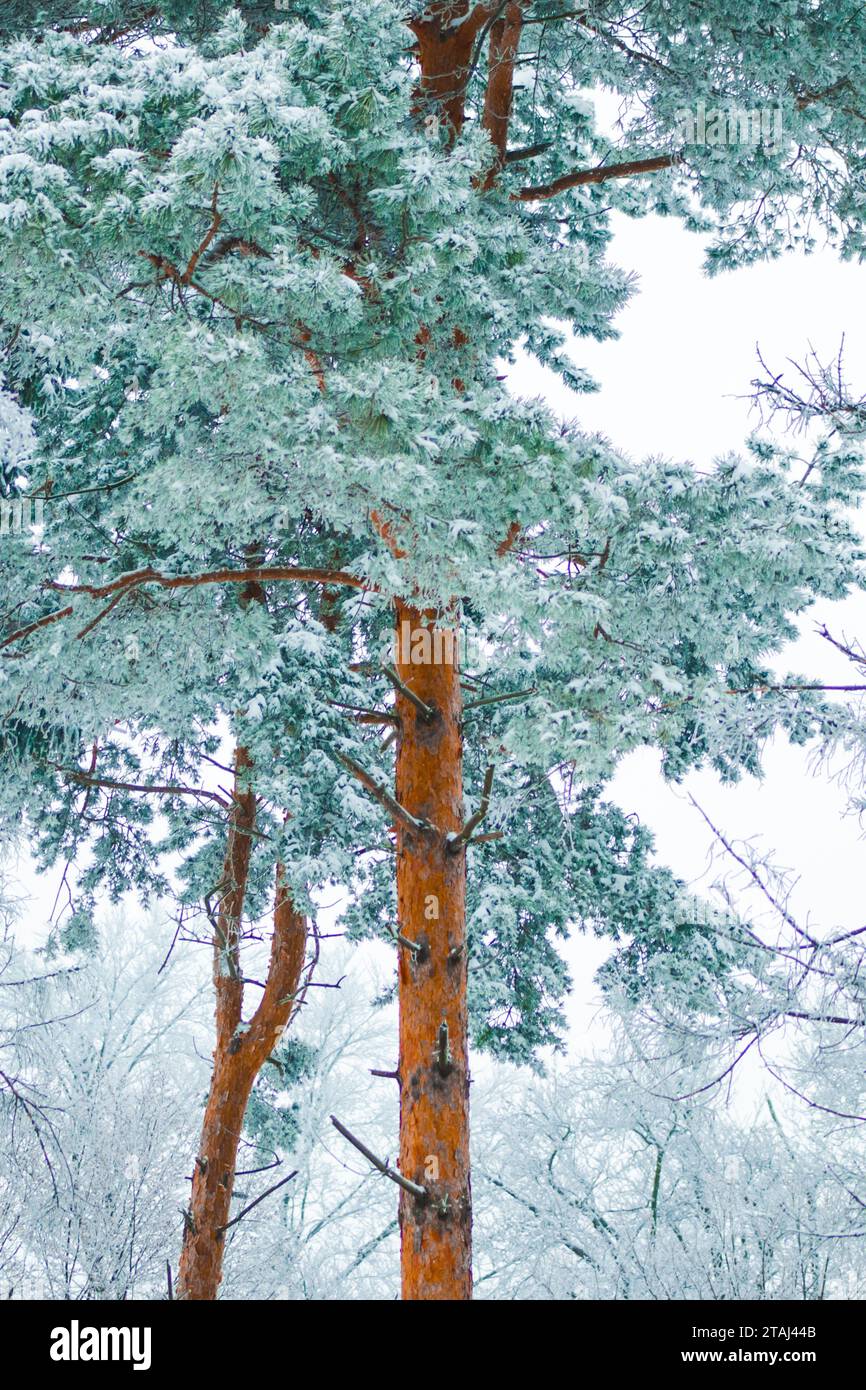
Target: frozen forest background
658 1152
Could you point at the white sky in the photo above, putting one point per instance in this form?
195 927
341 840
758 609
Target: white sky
674 385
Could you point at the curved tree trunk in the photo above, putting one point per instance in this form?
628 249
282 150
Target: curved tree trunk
240 1053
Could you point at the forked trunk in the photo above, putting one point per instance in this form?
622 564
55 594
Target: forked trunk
240 1052
201 1262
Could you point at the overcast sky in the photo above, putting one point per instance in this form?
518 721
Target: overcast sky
674 385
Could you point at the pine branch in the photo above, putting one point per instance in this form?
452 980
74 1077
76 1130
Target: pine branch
216 222
263 574
414 946
499 699
426 712
363 715
826 1018
127 582
527 152
85 781
49 618
600 174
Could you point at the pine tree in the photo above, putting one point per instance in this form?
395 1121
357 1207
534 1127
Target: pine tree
257 287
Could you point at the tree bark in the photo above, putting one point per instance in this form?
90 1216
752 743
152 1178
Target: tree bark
240 1052
447 34
504 43
436 1233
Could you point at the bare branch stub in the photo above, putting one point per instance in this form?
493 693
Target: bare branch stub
426 712
459 842
381 794
442 1051
408 1186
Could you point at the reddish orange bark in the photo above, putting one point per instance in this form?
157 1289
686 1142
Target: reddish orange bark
447 34
431 893
436 1232
239 1053
504 42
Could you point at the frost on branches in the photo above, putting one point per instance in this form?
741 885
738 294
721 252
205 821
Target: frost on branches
258 282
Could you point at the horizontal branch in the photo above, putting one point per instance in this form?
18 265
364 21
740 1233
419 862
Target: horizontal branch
81 491
364 715
127 582
259 575
527 152
499 699
826 1018
771 689
600 174
85 781
408 1186
36 979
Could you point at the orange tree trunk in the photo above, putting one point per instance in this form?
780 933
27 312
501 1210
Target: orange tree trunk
201 1261
431 895
436 1233
240 1052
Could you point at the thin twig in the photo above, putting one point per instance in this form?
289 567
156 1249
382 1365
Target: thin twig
262 575
755 877
241 1214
